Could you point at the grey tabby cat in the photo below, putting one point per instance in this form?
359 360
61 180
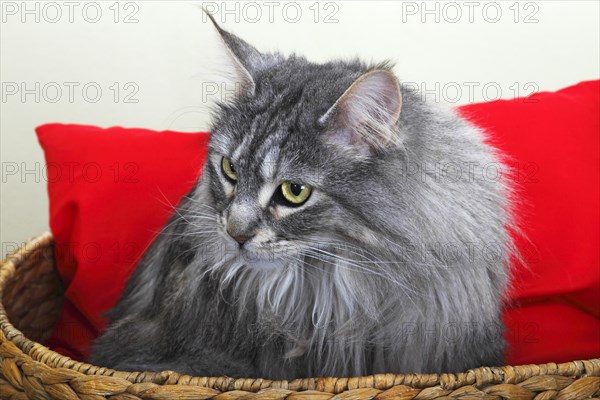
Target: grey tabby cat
328 236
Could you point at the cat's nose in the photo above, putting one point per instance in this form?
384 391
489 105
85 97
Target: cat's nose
242 221
241 239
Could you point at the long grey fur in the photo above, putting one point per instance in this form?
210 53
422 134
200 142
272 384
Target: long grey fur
397 263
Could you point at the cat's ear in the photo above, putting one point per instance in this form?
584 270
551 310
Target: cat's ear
365 117
245 59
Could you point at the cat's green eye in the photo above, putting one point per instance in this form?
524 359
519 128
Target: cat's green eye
228 169
295 193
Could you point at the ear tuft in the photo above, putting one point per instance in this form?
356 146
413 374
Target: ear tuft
365 117
244 58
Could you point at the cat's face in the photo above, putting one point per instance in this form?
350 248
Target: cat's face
292 159
270 193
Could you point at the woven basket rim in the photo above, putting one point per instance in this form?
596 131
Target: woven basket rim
9 335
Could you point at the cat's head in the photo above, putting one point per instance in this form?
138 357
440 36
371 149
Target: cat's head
302 155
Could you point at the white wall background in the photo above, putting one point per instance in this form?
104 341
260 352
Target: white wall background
163 53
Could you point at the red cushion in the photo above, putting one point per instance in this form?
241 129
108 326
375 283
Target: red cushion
552 140
111 191
102 225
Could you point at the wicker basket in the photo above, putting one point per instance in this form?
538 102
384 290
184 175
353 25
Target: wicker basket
30 298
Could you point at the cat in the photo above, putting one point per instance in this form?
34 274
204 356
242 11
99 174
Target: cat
342 226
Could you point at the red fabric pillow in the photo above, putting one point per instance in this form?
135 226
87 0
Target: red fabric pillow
111 191
553 142
102 225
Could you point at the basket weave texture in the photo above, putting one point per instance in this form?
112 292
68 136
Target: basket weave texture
30 299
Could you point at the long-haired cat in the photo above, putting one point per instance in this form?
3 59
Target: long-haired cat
342 226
